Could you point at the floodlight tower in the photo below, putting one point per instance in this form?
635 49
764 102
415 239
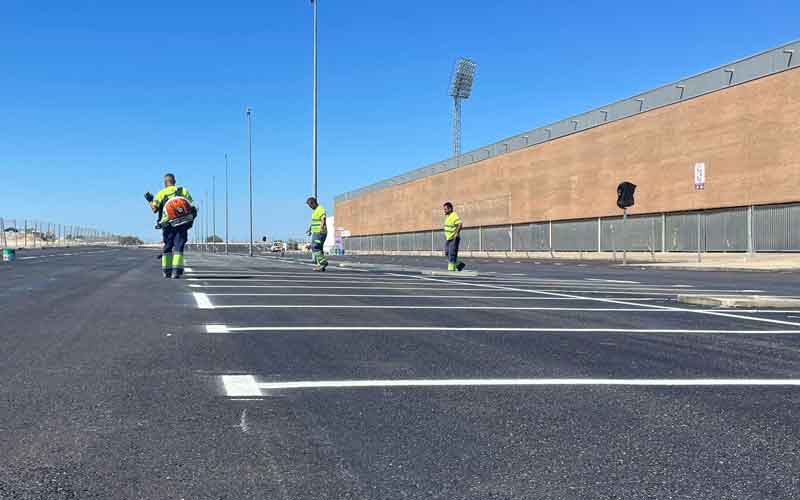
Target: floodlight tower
460 88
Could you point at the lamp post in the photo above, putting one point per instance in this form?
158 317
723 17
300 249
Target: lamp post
226 202
249 112
214 212
314 113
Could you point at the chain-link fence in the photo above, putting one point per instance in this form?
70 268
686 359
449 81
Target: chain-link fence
31 233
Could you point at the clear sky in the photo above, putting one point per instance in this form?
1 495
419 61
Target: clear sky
99 99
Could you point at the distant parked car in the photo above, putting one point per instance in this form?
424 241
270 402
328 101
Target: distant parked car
278 246
12 230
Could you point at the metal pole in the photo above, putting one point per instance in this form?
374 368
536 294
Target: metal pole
249 113
25 234
214 212
226 204
314 113
750 246
624 237
205 225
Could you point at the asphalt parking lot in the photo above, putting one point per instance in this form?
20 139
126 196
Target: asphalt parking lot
261 378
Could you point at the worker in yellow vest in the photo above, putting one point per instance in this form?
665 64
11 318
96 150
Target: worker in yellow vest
452 236
318 230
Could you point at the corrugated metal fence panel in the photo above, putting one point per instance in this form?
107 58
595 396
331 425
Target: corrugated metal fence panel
405 242
496 239
376 243
438 240
575 235
469 240
726 230
771 228
533 237
390 242
422 241
794 227
681 232
642 232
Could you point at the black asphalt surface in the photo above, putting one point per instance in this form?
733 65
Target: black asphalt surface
114 386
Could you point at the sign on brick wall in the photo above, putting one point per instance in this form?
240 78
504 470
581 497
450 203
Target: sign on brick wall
699 176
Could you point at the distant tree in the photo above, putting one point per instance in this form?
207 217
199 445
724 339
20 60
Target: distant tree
130 240
214 239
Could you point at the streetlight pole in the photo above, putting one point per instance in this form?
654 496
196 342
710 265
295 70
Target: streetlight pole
249 113
214 212
314 134
226 203
205 224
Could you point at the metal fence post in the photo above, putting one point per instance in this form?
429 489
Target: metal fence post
511 237
550 236
480 239
624 237
663 232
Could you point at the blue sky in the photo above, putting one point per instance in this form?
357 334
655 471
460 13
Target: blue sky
99 99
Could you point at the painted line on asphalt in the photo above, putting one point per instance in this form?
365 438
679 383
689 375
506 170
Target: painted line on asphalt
220 328
371 295
203 302
246 386
240 386
641 308
620 302
613 281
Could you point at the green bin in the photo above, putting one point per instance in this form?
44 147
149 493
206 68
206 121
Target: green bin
9 254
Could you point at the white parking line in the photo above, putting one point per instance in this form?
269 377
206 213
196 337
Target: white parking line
640 309
240 386
513 382
612 281
620 302
203 302
219 328
372 295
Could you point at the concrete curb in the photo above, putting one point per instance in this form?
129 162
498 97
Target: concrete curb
669 267
752 301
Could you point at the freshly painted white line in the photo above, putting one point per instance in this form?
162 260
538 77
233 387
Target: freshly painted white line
613 281
666 382
325 328
187 269
27 258
620 302
203 302
240 386
217 329
640 309
373 295
682 286
311 282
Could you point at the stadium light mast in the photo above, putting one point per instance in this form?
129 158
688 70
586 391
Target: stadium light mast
460 88
249 113
314 111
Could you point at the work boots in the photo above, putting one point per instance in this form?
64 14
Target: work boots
177 273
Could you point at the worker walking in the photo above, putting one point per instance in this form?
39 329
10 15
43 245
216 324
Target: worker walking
318 230
452 236
176 215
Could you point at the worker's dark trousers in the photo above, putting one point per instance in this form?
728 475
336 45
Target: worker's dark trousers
174 243
451 250
317 244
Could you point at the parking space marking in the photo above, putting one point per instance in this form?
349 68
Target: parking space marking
641 308
240 386
512 382
372 295
203 302
220 328
612 281
620 302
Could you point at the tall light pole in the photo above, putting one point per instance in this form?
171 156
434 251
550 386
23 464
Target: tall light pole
460 88
314 113
249 112
214 212
205 224
226 203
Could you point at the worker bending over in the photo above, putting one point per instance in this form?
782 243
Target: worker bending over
318 230
452 237
176 215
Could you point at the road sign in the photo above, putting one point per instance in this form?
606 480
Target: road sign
699 176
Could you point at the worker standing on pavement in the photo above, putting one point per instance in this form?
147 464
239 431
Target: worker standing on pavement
452 236
176 215
318 230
